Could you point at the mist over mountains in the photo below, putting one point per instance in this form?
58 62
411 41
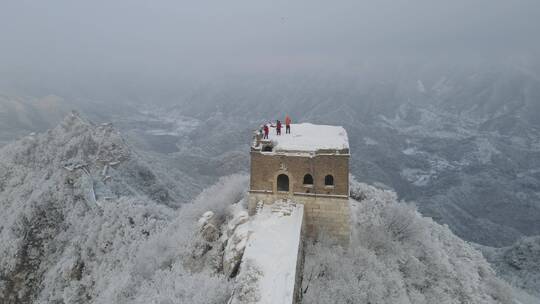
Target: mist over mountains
462 142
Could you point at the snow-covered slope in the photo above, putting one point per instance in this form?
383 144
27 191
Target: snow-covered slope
85 220
518 264
397 256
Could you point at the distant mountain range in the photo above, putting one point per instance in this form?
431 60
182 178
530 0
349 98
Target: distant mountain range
22 115
462 142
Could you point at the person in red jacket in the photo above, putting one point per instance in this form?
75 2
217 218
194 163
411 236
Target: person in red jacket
287 125
266 130
278 127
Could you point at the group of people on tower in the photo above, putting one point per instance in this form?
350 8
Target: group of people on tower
266 128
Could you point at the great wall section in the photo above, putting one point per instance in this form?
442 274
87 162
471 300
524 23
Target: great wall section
299 189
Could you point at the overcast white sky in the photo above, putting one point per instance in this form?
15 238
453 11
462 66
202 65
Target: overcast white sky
69 39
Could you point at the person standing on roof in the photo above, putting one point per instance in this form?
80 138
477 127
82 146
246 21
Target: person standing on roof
266 130
278 127
287 124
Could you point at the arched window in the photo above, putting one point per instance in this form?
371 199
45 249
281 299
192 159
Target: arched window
329 180
267 148
308 179
282 182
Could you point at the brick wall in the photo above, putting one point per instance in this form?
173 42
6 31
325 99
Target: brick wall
322 215
265 167
326 209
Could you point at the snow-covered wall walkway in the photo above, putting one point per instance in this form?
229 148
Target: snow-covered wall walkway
268 273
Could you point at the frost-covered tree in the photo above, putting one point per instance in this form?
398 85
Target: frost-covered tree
518 264
86 220
398 256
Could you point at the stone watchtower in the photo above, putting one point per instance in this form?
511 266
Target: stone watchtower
310 166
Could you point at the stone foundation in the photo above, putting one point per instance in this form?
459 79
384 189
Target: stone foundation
323 215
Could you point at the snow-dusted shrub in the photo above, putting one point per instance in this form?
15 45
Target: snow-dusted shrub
397 256
132 252
218 197
360 192
518 264
178 285
247 290
400 221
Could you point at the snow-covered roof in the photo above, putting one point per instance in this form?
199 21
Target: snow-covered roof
307 137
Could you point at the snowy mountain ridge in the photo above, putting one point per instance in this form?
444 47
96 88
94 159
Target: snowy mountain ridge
86 220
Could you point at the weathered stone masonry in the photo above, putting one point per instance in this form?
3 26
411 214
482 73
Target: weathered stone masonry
326 207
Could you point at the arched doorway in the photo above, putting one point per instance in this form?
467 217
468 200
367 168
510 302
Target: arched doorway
283 183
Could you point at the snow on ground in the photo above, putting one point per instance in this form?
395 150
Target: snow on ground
397 256
485 150
309 138
168 122
417 177
272 250
370 141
